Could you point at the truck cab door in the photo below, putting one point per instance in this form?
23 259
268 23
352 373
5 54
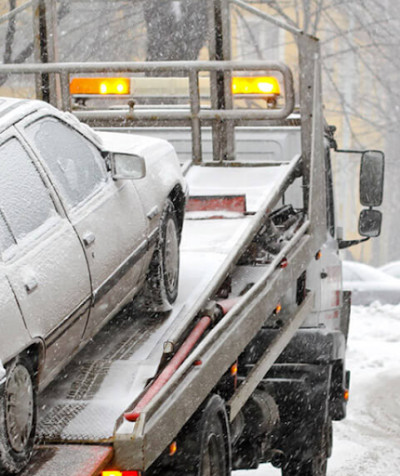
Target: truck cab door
324 274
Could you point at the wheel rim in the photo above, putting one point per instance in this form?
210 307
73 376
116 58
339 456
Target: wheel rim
171 257
19 407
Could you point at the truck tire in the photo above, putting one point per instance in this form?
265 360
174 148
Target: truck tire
314 467
214 440
17 416
162 280
203 444
317 465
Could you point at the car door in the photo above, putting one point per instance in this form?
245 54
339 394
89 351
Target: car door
14 336
106 214
46 267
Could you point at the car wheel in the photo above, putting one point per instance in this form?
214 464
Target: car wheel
163 276
17 416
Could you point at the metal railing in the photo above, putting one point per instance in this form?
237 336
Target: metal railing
195 117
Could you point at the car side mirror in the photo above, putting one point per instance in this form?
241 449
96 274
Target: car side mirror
127 166
370 223
371 178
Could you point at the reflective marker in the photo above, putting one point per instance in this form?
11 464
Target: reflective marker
172 448
278 309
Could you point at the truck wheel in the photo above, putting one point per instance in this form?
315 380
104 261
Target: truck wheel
317 465
163 276
17 416
213 453
203 444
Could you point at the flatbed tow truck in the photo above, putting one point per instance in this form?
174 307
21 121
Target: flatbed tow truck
249 366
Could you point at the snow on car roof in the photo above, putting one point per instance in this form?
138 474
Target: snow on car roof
13 109
133 143
364 272
393 268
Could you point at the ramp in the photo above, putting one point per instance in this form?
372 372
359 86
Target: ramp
84 403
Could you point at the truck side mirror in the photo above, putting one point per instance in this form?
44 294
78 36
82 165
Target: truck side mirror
370 223
371 178
127 166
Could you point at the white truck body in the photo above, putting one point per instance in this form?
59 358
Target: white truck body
249 365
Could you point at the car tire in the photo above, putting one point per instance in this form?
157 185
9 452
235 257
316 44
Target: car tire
17 416
163 275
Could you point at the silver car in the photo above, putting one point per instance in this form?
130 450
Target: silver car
368 284
86 220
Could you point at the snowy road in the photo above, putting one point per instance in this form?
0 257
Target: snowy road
367 443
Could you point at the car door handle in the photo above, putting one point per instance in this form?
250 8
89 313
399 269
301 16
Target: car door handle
31 284
88 238
153 212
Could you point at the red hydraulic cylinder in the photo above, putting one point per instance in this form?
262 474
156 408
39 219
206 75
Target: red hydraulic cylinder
171 368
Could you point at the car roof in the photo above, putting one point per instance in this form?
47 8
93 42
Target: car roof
391 265
14 109
368 273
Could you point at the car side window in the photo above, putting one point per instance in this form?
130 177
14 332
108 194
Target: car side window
25 201
76 165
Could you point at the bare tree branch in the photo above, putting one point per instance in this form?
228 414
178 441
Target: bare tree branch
10 34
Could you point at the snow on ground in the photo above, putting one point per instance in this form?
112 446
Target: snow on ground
367 443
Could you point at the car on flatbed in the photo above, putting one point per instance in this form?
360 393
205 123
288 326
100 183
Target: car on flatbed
87 221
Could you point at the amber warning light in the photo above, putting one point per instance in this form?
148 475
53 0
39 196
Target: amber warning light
101 86
266 85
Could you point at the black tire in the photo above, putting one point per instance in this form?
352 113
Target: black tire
162 280
318 464
207 440
203 445
214 460
17 416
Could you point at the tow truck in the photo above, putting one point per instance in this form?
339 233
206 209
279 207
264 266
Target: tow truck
249 366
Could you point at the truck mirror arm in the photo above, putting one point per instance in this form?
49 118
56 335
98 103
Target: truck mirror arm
347 151
342 244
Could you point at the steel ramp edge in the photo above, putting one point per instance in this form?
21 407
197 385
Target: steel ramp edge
69 460
137 445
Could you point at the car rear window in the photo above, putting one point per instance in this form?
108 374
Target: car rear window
25 201
74 162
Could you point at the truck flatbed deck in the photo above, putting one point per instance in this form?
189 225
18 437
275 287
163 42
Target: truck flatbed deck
109 374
